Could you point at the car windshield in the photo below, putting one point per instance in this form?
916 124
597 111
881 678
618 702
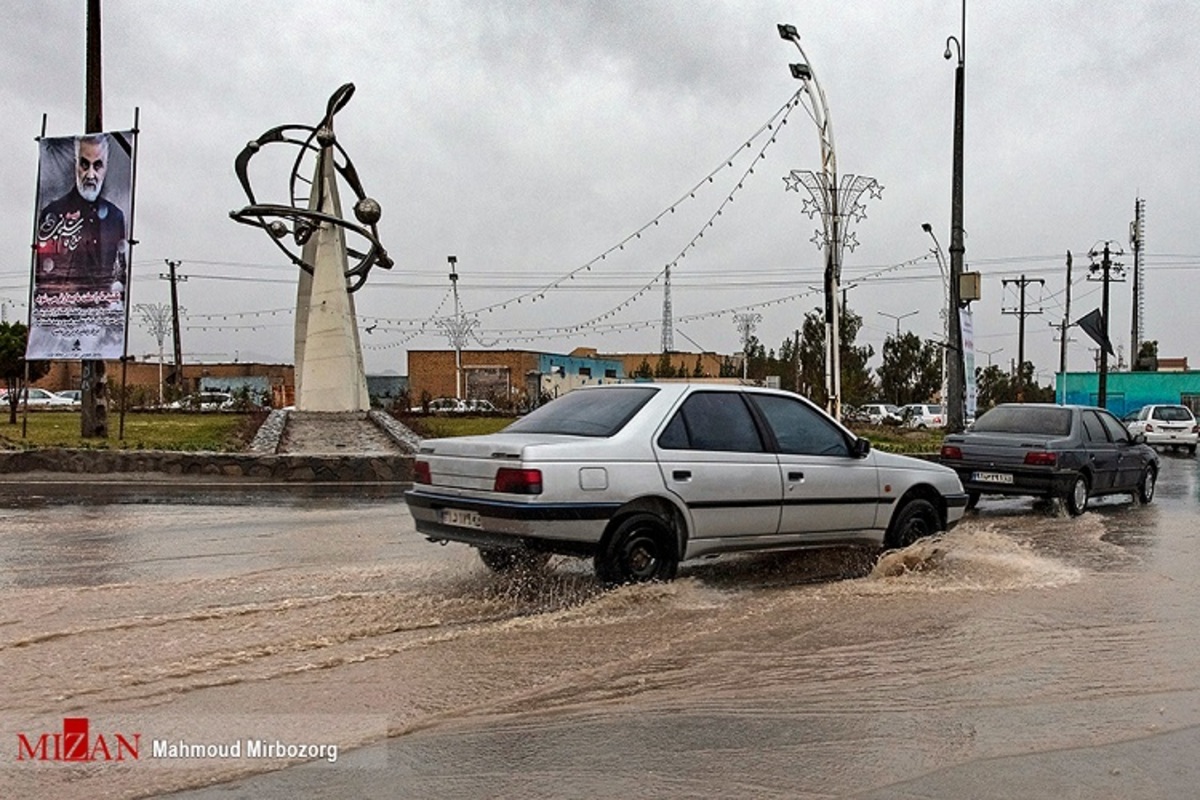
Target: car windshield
1172 414
1025 419
591 412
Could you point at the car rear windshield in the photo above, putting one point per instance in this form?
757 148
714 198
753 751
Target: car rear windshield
1172 414
589 412
1026 419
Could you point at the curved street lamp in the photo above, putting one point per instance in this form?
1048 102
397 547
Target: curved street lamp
838 204
956 380
945 312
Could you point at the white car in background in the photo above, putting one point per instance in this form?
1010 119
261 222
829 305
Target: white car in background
881 413
74 395
41 398
923 415
1166 426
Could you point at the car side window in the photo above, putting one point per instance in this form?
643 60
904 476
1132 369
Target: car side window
1116 431
799 429
712 421
1093 429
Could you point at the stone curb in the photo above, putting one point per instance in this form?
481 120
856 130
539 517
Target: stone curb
300 468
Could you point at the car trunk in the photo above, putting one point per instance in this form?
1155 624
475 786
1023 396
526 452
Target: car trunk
471 462
1002 449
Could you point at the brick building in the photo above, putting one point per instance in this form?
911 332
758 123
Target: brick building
517 377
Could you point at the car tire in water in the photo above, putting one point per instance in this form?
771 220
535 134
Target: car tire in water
1076 498
915 520
504 560
1145 487
641 548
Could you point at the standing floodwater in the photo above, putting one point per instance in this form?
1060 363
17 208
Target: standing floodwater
1025 654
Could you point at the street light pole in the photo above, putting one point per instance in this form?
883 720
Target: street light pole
956 380
896 317
836 200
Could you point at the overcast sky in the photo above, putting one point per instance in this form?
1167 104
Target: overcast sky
530 139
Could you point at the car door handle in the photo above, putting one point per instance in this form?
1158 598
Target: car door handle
795 476
682 474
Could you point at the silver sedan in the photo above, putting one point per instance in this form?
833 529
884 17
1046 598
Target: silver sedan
639 477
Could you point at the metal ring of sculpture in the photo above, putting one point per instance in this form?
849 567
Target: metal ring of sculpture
299 220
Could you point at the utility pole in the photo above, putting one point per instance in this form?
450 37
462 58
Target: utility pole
1021 313
93 381
796 357
458 342
1137 234
175 279
1105 268
1066 322
956 380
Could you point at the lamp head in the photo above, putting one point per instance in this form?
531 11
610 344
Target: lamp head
925 226
800 72
788 32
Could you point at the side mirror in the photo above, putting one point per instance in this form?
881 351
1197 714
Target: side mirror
860 448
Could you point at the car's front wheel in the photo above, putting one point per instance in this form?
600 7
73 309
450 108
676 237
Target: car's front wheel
641 548
915 520
1145 487
1076 498
509 560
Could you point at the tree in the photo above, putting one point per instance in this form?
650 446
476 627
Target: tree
13 338
911 371
698 370
643 370
664 369
995 386
858 385
1147 357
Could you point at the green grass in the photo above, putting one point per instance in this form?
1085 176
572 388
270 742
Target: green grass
893 439
436 426
143 431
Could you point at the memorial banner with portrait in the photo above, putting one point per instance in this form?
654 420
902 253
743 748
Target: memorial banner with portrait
81 247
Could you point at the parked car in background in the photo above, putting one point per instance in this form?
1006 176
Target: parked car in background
1166 426
203 401
1036 449
74 395
40 398
451 405
640 477
923 415
881 413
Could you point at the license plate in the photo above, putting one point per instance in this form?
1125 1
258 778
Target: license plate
992 477
460 518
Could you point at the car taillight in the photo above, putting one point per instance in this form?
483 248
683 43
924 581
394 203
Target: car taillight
1196 429
1037 458
937 420
950 451
1149 428
421 473
512 480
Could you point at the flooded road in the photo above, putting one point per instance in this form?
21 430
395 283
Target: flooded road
1025 654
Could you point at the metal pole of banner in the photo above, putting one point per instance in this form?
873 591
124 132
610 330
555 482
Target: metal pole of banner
129 273
32 274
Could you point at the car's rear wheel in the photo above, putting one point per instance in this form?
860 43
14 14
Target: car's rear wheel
1191 449
915 520
508 560
1076 498
972 500
641 548
1145 487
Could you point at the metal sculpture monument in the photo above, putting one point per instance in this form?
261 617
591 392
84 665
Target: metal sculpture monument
312 233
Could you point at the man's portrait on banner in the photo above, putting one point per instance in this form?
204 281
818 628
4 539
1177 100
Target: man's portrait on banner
81 247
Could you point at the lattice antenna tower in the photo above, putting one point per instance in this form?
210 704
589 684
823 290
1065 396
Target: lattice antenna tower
668 323
1137 241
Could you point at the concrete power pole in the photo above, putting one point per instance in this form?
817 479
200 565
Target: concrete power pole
93 383
1066 322
1105 268
175 279
1021 311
